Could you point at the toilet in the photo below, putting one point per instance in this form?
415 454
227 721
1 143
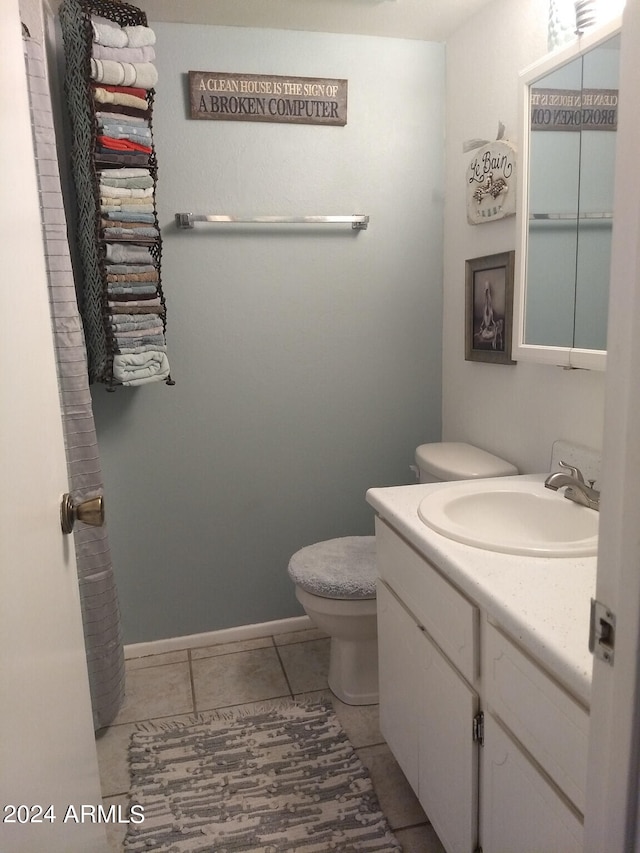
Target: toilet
335 580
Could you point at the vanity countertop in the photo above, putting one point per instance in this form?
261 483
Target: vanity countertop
543 602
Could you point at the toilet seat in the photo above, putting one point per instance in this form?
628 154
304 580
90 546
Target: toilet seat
342 569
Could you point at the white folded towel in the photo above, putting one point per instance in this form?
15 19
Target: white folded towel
108 32
126 173
111 34
123 54
139 36
139 368
142 75
124 192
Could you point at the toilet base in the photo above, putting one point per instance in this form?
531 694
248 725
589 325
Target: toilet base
353 671
352 626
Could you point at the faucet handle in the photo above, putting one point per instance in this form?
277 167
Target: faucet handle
575 472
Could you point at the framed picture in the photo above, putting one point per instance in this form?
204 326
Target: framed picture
489 308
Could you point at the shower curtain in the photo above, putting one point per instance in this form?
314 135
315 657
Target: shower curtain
98 594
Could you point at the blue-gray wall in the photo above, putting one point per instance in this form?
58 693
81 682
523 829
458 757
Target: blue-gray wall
307 361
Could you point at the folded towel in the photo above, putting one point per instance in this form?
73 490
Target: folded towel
125 192
131 205
106 96
132 305
128 216
143 348
141 75
124 173
115 233
117 308
128 208
123 254
123 109
121 118
140 325
108 32
122 290
136 320
124 90
142 340
120 131
133 277
136 202
122 145
114 73
139 36
130 268
152 326
123 54
131 228
105 156
126 183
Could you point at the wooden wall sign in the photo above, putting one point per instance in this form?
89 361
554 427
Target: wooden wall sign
491 183
574 109
260 97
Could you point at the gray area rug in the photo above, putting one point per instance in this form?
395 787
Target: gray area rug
281 780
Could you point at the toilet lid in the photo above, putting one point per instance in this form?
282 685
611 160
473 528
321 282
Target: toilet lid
337 568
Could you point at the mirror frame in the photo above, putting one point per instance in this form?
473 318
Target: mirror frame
562 356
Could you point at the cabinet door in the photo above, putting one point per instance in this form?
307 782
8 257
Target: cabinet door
398 636
521 811
448 759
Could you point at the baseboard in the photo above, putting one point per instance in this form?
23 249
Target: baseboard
211 638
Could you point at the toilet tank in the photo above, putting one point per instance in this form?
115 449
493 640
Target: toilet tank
453 460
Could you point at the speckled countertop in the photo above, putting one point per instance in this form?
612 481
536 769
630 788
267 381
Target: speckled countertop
543 602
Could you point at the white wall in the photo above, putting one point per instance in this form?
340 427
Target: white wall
516 411
307 362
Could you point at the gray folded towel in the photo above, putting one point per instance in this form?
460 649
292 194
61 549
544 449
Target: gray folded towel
117 253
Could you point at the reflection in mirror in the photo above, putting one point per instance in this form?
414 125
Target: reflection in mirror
600 74
554 184
566 205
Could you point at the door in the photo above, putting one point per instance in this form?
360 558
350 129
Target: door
398 676
611 818
521 812
448 755
47 750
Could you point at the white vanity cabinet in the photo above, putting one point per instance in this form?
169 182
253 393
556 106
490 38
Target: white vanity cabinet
444 668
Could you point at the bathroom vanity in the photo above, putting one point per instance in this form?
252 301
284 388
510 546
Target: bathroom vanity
485 678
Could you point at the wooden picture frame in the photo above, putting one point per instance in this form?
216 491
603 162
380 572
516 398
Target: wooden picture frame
489 308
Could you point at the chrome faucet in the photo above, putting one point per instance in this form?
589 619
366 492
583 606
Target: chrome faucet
576 488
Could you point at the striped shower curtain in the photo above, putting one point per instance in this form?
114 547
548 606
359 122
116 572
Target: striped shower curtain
98 594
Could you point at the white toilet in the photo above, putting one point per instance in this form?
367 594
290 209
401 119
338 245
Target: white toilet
336 579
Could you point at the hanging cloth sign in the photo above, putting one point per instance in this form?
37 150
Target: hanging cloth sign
260 97
491 183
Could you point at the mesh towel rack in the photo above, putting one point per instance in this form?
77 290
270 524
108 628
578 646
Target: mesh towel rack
358 221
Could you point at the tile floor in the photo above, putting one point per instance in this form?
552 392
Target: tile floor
175 684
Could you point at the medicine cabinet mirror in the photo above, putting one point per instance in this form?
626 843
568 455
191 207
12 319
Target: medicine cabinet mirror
569 109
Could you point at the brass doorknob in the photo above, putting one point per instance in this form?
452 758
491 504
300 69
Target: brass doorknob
88 512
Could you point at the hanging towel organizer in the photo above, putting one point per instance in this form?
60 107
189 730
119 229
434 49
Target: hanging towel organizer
109 86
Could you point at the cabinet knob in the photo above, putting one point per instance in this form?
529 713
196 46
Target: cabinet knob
88 512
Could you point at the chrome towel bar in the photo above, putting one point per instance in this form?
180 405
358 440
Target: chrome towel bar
358 221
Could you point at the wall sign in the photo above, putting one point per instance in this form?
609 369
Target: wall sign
260 97
574 109
491 183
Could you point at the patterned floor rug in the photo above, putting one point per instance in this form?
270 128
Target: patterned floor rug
283 780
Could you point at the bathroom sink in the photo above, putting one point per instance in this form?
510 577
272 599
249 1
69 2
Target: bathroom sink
512 516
